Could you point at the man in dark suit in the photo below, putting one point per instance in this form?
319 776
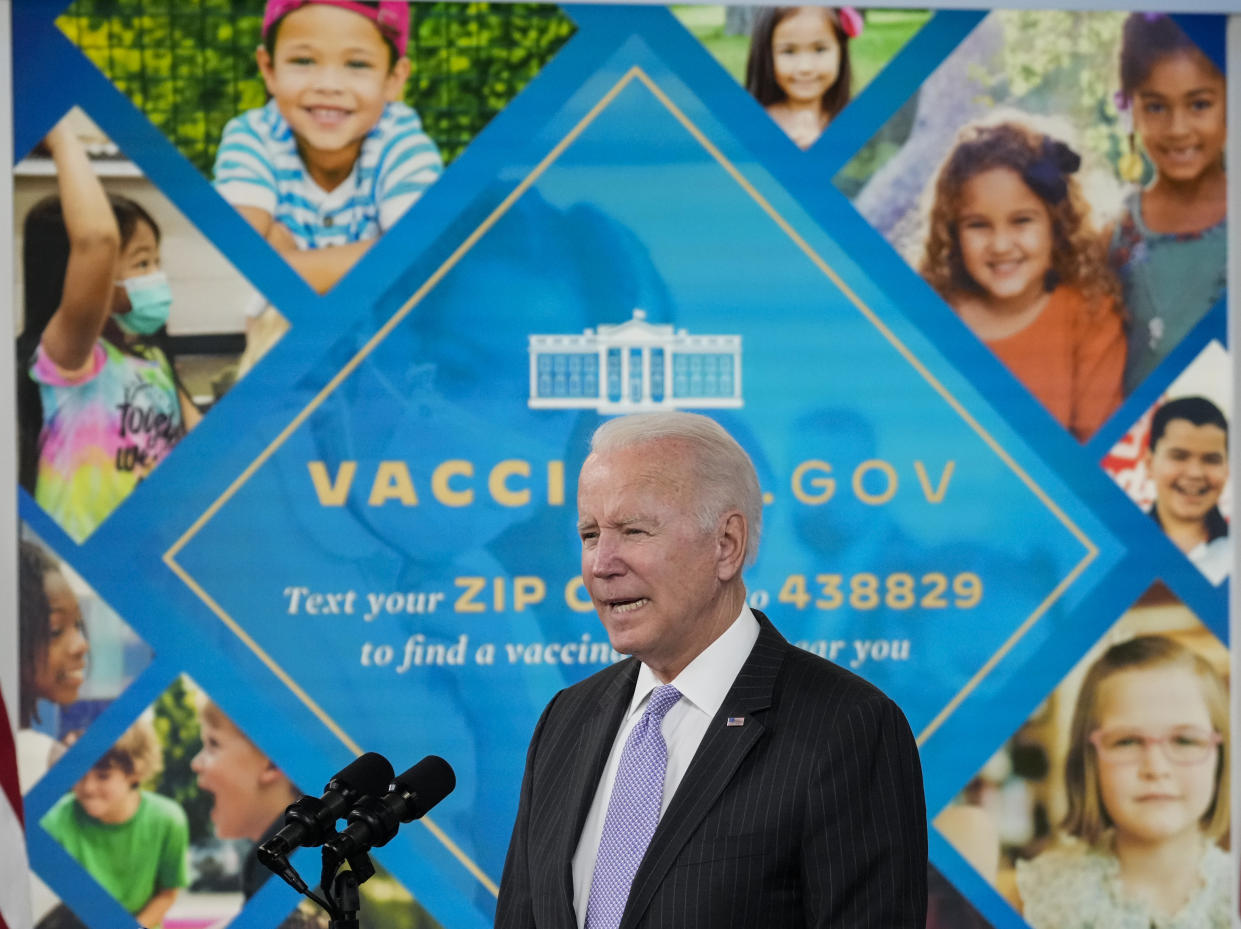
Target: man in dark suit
719 777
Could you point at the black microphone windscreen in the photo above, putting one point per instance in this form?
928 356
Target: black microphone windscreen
430 781
368 774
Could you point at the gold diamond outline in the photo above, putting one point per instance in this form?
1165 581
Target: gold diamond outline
634 73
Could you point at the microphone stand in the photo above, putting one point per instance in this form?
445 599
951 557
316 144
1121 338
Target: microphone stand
344 895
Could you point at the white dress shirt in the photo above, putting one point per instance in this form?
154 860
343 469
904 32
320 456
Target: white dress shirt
703 685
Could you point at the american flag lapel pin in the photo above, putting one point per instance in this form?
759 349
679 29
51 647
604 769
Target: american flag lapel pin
735 721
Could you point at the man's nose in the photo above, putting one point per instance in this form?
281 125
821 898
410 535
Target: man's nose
605 558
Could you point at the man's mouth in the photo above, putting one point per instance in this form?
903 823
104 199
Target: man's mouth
628 606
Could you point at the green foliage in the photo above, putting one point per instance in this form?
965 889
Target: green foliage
176 725
189 65
1061 64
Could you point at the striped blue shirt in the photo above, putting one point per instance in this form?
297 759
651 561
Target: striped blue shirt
258 165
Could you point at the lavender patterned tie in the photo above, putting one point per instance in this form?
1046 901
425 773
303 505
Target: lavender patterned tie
633 812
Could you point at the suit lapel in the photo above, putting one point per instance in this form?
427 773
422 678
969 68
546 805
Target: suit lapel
721 752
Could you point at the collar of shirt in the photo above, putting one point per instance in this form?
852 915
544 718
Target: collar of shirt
705 681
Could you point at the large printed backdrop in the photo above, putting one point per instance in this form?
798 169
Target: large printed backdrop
368 543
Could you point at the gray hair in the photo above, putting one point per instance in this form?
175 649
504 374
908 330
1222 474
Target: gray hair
724 475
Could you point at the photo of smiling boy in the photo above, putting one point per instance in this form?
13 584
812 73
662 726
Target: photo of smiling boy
334 158
1187 461
132 841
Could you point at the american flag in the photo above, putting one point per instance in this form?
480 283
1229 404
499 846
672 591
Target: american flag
14 875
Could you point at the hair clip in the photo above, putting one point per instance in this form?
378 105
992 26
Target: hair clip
1121 99
1046 175
850 21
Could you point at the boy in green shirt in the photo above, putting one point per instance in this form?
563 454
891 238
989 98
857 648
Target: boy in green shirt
132 841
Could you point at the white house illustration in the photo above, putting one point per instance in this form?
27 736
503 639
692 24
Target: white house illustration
633 366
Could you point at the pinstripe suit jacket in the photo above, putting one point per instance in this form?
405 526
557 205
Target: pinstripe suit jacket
809 814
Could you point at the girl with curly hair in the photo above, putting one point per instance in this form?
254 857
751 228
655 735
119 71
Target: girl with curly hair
1011 248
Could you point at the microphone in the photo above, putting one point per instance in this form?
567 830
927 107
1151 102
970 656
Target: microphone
375 820
310 820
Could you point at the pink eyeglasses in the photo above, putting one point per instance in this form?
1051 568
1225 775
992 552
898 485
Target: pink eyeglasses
1182 745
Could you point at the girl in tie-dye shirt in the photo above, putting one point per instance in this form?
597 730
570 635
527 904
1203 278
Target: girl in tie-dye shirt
100 404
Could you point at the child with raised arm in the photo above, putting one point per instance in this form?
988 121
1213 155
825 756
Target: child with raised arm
334 158
132 841
99 400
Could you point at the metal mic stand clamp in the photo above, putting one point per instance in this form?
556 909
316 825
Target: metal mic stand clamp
344 893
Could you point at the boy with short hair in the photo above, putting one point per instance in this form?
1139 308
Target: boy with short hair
334 158
249 792
132 841
1188 462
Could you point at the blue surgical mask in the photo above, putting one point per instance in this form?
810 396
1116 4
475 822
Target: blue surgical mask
150 300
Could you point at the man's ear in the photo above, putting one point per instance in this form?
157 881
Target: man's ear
394 87
263 59
731 539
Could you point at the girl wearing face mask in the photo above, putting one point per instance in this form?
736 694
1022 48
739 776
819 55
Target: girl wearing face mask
99 401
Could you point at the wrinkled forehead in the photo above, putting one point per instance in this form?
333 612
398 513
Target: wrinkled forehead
648 473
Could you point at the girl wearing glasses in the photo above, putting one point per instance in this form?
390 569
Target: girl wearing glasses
1147 782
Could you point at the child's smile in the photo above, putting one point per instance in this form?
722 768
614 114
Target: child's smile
63 671
806 54
108 794
1004 233
331 77
1179 114
1189 466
